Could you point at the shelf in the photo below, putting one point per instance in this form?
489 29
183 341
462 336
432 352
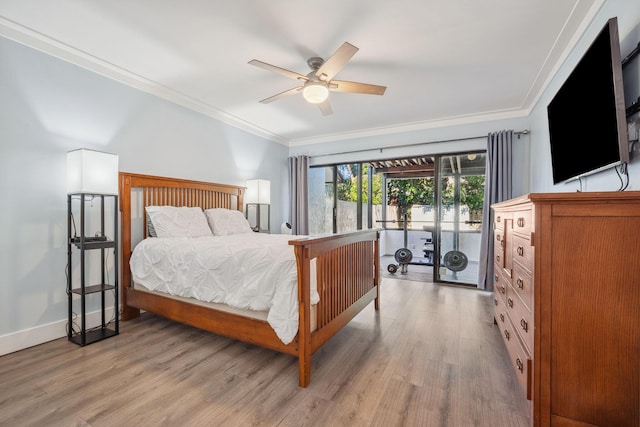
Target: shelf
85 280
93 335
93 289
96 244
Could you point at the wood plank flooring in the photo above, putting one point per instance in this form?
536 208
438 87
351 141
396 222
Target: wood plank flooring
430 357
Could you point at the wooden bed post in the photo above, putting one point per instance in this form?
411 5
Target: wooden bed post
127 311
376 274
304 315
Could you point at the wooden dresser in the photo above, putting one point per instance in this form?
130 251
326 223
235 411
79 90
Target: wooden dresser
567 302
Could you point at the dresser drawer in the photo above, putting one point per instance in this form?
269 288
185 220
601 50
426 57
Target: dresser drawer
523 223
521 318
522 283
499 283
502 256
523 252
500 218
499 247
518 357
500 311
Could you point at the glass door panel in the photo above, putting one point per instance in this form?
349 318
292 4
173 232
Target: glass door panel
413 199
321 200
347 211
461 198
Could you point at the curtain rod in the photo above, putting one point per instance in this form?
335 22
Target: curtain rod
469 138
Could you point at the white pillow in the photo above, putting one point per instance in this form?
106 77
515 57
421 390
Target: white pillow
172 221
225 222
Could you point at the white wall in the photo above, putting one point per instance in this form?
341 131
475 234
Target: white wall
48 107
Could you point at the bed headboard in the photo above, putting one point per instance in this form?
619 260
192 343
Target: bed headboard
139 191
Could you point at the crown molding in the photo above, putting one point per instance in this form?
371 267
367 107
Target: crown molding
413 127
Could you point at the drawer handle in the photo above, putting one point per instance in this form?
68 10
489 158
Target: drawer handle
495 302
502 243
503 289
507 335
510 302
520 364
520 283
520 251
501 315
498 237
497 219
524 325
498 258
495 277
521 222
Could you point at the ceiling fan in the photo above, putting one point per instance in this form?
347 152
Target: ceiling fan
316 85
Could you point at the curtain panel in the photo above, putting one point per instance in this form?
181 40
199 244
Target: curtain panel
498 187
299 194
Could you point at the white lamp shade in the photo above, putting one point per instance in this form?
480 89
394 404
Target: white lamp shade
93 172
258 191
315 92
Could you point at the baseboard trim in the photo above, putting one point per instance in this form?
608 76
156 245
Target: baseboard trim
21 340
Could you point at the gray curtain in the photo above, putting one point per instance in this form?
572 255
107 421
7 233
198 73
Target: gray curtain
498 187
299 195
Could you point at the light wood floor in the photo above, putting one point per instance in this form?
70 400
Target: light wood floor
430 357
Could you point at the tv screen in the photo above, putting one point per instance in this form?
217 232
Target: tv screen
587 123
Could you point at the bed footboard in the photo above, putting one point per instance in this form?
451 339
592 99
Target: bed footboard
347 269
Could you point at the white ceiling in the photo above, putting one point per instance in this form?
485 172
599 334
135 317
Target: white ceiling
442 61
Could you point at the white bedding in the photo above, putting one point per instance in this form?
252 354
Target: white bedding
253 271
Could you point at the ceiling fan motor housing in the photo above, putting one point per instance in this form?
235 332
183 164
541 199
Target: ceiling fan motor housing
314 63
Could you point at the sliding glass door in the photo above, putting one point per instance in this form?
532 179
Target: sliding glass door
428 206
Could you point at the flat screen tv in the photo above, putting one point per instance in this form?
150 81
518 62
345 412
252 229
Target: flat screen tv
587 123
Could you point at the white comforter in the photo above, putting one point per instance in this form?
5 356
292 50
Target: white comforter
252 271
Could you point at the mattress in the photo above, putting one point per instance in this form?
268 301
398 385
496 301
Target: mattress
247 271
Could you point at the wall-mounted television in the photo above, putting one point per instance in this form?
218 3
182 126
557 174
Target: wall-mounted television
587 123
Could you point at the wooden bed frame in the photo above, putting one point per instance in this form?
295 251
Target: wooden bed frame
347 267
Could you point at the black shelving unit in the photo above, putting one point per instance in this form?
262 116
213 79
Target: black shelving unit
79 244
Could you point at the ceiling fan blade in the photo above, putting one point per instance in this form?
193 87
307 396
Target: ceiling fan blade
282 95
334 64
325 108
355 87
278 70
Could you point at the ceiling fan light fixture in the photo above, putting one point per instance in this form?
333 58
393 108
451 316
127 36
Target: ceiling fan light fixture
315 92
317 84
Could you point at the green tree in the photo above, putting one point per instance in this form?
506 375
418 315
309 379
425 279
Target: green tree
472 192
346 180
407 192
348 184
376 190
447 195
